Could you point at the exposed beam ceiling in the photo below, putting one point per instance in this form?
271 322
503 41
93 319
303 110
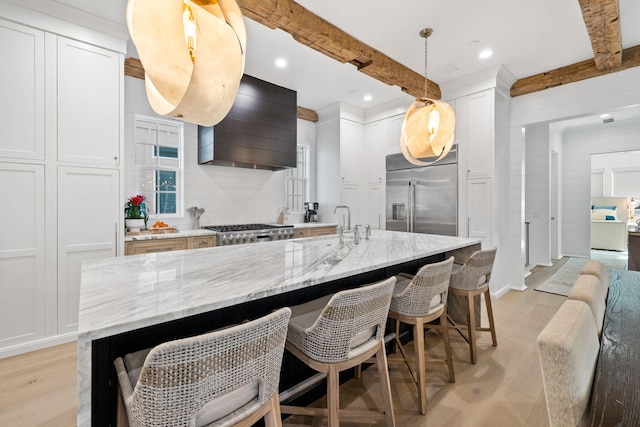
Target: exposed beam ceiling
602 18
572 73
316 33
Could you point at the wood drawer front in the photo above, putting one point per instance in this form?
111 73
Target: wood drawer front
199 242
323 231
151 246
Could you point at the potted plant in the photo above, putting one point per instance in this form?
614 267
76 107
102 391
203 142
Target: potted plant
135 213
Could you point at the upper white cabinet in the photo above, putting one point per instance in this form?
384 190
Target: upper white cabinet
376 142
395 123
22 254
352 168
22 91
478 129
89 91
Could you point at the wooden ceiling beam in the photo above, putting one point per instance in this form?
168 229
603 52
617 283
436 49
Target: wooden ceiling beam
573 73
312 31
602 18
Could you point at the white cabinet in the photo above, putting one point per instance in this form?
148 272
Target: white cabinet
479 210
395 123
351 152
89 90
376 143
62 135
479 133
88 217
375 205
22 90
22 254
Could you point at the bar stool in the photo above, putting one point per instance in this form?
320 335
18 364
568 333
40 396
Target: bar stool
228 377
338 332
418 300
470 280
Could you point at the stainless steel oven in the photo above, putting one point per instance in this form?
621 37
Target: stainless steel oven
250 233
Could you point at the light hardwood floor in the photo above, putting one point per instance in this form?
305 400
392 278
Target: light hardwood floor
503 389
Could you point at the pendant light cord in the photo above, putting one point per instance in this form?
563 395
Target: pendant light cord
425 34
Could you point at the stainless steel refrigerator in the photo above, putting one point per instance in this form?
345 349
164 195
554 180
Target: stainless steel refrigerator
422 199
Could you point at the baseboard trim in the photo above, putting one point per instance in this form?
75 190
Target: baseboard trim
521 287
500 292
38 344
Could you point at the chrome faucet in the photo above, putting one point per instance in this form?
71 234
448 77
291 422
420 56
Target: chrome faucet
348 215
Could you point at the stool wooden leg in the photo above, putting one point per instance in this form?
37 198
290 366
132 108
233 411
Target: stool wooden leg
492 325
385 385
333 397
418 340
447 345
471 323
273 418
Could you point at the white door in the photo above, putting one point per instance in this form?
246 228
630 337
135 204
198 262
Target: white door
22 254
555 253
89 98
479 210
88 214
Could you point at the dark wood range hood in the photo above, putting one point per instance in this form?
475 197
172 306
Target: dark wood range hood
260 131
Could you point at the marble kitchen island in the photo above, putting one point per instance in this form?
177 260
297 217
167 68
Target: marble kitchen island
135 302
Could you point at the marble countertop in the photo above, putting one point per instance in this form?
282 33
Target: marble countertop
125 293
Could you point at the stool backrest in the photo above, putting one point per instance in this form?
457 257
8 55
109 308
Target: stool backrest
479 265
568 347
588 289
352 318
179 377
431 280
596 268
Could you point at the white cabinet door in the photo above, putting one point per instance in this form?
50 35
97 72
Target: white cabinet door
89 92
376 144
351 197
89 210
479 210
375 203
479 135
396 130
22 91
22 254
352 160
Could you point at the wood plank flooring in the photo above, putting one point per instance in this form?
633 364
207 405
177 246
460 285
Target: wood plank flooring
503 389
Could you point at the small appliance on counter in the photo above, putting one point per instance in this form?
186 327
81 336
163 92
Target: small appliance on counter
311 211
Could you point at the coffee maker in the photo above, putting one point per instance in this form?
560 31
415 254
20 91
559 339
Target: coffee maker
311 211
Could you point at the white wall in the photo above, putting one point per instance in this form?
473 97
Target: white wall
578 146
228 195
620 174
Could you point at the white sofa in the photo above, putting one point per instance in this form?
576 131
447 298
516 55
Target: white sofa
609 234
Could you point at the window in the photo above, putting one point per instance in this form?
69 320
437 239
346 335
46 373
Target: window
159 164
295 183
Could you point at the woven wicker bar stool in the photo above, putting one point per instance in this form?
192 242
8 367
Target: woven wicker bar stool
418 300
229 377
470 280
336 333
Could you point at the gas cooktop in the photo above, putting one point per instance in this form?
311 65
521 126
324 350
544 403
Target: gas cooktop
243 227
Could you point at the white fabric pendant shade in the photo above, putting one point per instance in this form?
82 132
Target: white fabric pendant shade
427 130
200 91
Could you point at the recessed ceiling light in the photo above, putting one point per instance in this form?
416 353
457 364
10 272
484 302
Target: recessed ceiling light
605 115
281 63
485 54
367 97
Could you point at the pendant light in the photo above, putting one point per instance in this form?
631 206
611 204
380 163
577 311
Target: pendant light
193 54
428 126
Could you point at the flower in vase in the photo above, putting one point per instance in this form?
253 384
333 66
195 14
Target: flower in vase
135 208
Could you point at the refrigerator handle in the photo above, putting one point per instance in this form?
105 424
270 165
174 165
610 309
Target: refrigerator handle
409 213
412 207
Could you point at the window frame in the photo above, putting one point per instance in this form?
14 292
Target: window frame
304 179
156 168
